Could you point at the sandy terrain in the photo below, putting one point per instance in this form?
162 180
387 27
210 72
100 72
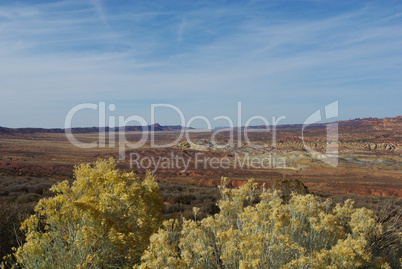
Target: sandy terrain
369 162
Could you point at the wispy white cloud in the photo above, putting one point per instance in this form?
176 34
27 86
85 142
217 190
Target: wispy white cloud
180 32
273 59
99 10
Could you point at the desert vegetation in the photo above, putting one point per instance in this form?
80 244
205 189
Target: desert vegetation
107 218
258 229
104 219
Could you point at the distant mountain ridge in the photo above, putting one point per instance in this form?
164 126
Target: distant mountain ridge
84 130
362 122
344 123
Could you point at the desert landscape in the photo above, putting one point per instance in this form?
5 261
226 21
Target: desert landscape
368 170
369 162
200 134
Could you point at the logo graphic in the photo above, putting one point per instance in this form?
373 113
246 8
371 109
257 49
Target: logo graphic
112 133
331 154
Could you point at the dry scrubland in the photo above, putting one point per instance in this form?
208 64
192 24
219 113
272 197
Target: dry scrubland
112 219
369 173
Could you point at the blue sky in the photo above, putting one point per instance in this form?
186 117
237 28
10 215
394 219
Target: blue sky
278 58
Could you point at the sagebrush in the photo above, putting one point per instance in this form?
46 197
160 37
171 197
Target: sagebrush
110 219
104 220
271 233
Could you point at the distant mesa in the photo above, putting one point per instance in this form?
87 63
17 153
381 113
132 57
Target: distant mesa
386 123
221 127
84 130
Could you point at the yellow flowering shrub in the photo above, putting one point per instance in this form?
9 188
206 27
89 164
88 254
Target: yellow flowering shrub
257 229
111 219
103 220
